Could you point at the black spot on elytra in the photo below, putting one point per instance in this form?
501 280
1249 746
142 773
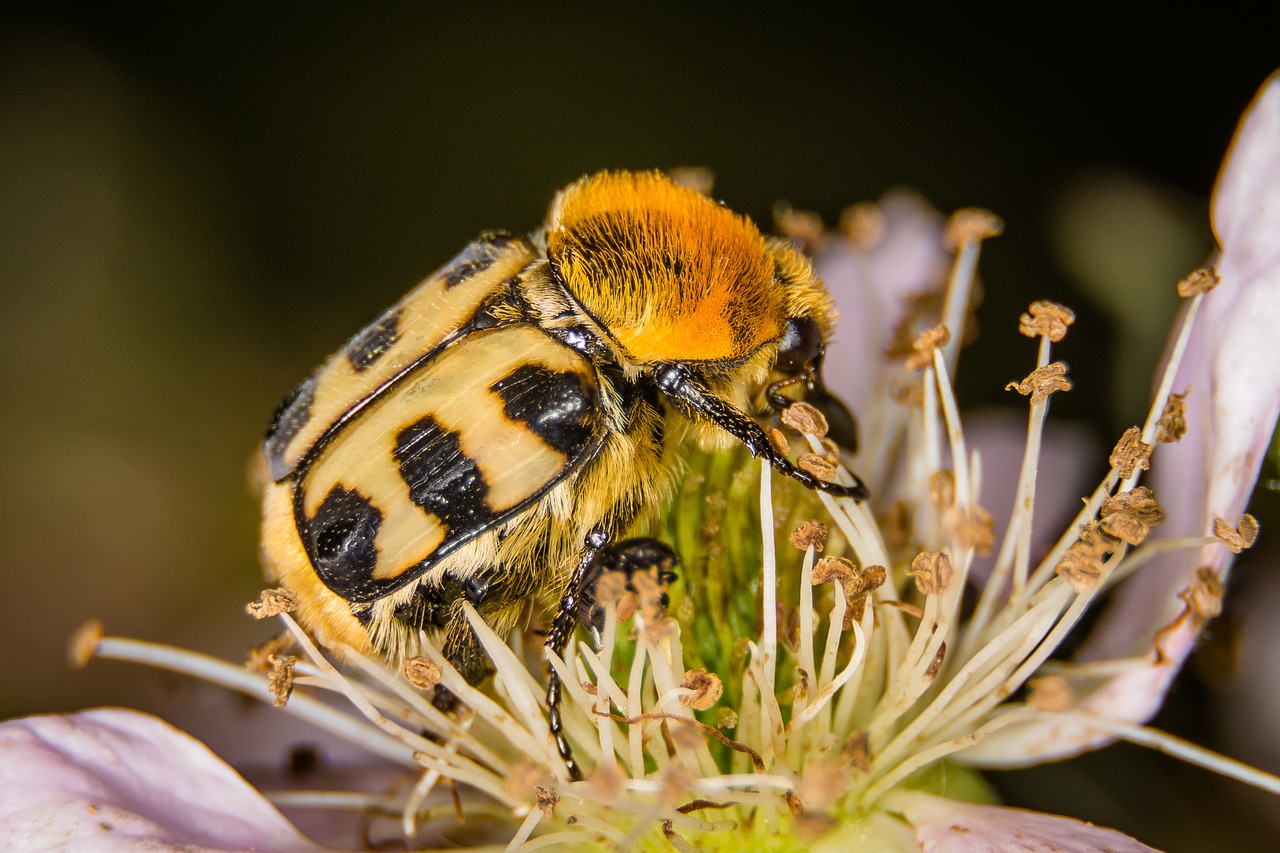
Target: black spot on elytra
559 408
339 539
290 416
373 340
441 478
476 257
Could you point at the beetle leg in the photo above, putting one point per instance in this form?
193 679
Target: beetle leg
631 557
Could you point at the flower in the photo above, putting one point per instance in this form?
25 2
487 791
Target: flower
797 701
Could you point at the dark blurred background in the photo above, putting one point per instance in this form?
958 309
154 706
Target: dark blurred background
200 202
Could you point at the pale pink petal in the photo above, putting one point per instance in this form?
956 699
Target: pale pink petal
1232 367
871 288
951 826
119 780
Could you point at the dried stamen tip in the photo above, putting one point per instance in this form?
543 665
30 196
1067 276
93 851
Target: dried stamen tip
280 679
421 672
1198 281
779 441
258 658
811 534
973 527
1131 453
1050 693
801 226
1172 425
862 225
523 781
1129 516
83 645
1046 319
706 688
932 572
700 179
272 602
942 489
805 419
819 466
935 665
857 585
1042 382
1081 565
923 347
1204 597
546 798
1242 536
971 225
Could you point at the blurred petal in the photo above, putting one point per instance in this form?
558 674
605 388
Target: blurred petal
1232 367
871 287
113 779
952 826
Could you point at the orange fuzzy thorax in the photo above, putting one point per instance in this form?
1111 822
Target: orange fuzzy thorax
671 275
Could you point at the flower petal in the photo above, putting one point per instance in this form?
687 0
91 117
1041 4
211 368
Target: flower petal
114 779
871 286
1232 368
952 826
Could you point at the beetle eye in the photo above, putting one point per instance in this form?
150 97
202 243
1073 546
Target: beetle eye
801 343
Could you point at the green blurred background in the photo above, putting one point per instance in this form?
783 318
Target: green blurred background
200 202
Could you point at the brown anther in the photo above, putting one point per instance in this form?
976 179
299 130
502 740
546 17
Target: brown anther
589 688
818 466
1172 425
898 526
1046 319
422 673
935 665
924 345
661 629
779 441
908 394
1204 597
280 679
273 602
258 658
1049 693
1131 453
610 588
545 798
1237 538
1198 281
805 419
862 225
811 534
1129 516
83 645
706 689
823 783
973 526
1081 564
700 179
856 752
726 718
942 489
800 226
971 225
522 781
607 782
837 569
1042 382
932 571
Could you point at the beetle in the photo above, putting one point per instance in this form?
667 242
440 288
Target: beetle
492 436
